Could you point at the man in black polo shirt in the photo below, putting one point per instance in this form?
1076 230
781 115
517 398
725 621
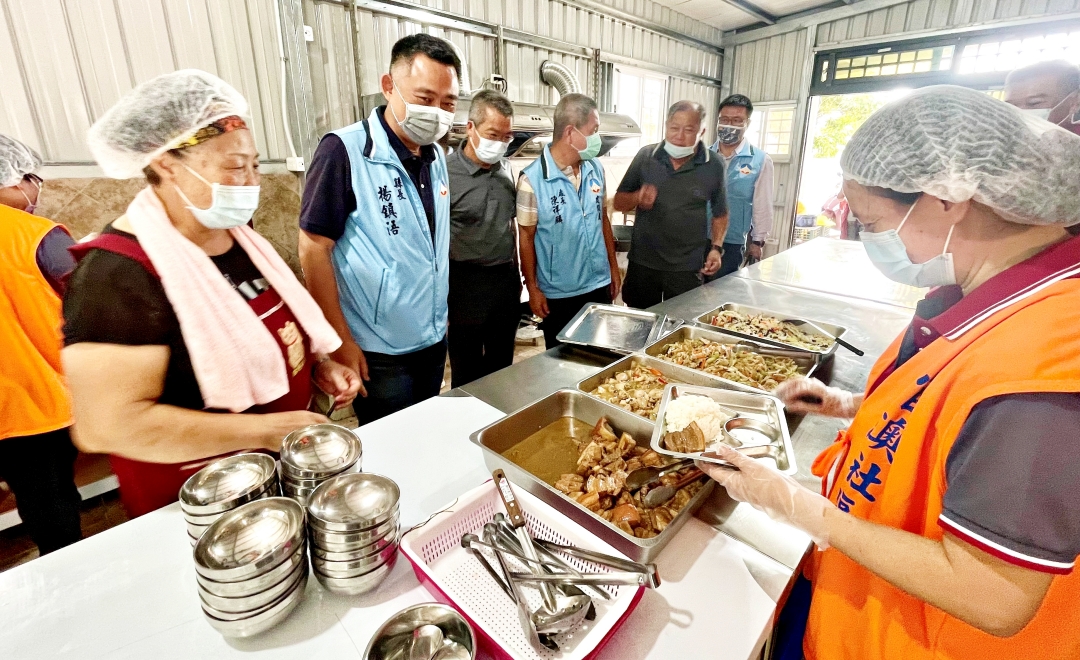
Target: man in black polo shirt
677 188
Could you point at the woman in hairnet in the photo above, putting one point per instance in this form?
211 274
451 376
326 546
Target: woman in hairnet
37 458
179 312
950 524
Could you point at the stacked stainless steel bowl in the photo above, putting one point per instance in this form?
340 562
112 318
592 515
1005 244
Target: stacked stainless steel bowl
223 486
313 454
252 566
354 531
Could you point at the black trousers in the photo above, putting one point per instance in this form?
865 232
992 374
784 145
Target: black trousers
398 381
561 310
731 261
41 472
645 287
485 309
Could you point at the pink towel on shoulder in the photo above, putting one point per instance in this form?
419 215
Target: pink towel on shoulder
237 361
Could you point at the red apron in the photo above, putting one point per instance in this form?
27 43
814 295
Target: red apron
145 487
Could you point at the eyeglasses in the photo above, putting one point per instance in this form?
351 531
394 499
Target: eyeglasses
727 121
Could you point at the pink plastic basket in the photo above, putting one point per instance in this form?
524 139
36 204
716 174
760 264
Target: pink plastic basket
456 578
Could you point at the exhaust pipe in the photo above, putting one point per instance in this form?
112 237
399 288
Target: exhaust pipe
560 77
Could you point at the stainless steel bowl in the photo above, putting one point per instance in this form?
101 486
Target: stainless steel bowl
355 501
196 530
252 586
319 450
345 569
392 638
361 536
358 552
360 584
264 620
348 528
315 482
246 604
227 483
250 540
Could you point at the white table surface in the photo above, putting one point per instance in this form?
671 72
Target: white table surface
130 592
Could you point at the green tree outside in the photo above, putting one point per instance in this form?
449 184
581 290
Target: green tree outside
839 117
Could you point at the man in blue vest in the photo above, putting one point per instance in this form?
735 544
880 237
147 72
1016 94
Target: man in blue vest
375 230
749 184
567 247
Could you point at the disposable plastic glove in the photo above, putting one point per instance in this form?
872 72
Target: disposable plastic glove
765 489
807 395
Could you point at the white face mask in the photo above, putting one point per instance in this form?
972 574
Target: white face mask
423 124
489 151
887 251
675 151
230 206
1044 113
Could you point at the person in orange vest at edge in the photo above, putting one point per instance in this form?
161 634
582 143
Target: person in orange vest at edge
187 337
950 522
37 458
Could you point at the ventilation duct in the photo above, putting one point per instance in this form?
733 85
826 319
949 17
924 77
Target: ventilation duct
465 84
560 77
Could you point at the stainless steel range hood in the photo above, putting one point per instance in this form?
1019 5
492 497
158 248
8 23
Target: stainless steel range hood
532 126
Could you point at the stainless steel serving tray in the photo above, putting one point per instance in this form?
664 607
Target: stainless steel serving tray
519 425
807 362
838 331
615 328
672 372
760 407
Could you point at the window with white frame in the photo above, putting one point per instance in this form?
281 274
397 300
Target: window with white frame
641 95
771 127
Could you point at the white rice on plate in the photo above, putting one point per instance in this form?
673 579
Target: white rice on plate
708 414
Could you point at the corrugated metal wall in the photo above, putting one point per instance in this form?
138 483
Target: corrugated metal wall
64 62
545 18
923 15
775 68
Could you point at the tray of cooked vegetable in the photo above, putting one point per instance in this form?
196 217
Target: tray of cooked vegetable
747 363
694 419
636 383
774 328
577 453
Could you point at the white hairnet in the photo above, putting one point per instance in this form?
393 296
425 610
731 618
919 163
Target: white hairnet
959 144
16 161
157 116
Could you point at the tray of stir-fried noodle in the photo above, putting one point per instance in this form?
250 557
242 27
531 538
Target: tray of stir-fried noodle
769 327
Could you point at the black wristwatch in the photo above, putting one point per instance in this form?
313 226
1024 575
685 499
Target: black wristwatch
718 248
759 243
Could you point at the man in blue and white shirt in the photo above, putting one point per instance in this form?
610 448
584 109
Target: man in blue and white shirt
375 230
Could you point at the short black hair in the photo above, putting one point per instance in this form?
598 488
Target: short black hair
739 101
572 110
489 98
1066 73
407 48
905 198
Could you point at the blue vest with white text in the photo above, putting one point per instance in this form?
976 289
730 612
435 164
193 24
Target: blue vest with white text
392 281
571 256
742 175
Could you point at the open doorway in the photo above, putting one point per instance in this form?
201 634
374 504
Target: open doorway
821 209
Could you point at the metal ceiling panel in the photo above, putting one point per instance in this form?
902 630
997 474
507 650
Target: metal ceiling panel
190 36
333 70
146 35
100 52
16 113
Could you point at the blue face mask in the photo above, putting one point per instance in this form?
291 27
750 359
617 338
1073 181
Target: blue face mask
230 206
888 252
592 145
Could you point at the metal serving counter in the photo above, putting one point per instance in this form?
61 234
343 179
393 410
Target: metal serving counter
830 265
872 326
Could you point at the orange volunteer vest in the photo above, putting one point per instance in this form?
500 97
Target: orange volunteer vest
33 397
889 468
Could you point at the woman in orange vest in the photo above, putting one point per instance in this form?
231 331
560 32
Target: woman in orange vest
950 521
187 336
36 455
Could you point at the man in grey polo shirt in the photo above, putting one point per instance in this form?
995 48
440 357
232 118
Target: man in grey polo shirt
485 287
677 189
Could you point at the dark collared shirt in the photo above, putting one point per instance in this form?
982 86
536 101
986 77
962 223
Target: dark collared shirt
482 209
329 198
674 234
1000 497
